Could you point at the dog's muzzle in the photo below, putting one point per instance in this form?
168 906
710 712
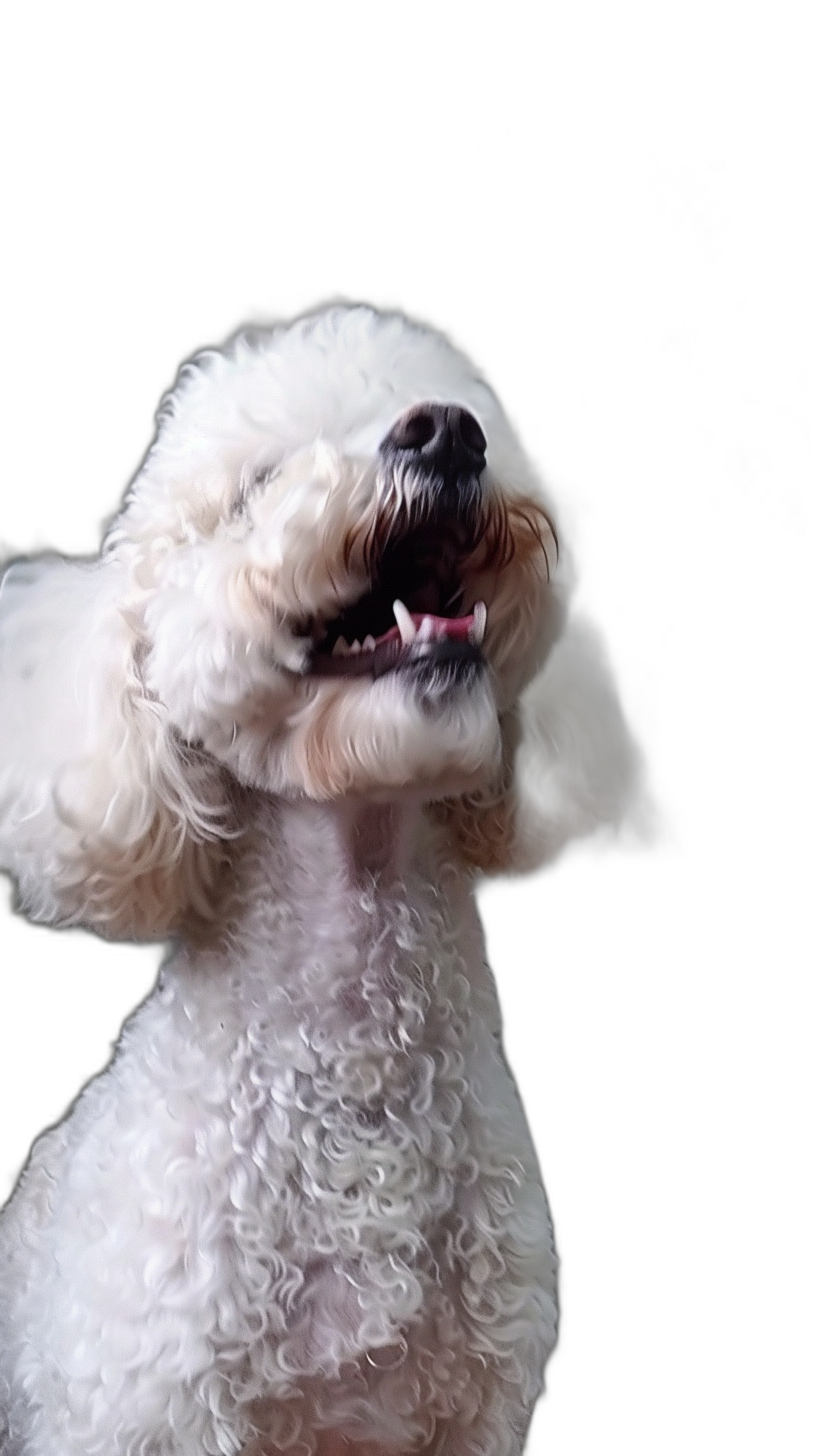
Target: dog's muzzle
416 615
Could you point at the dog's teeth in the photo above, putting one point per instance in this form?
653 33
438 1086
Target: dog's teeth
426 630
477 631
340 648
407 630
355 647
369 644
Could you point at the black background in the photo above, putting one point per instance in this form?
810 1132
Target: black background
634 293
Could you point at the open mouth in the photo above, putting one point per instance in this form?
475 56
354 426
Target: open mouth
416 614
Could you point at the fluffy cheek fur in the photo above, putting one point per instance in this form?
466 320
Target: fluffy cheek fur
569 767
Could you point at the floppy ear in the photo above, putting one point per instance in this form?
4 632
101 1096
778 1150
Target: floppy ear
570 766
106 819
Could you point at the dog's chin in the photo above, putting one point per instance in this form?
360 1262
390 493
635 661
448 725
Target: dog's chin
426 729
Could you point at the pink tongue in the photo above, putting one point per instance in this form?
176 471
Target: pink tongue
454 628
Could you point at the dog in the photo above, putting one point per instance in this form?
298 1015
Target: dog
280 721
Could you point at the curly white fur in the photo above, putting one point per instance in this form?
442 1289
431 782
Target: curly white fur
301 1209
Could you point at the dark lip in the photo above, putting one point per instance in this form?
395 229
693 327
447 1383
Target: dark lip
395 656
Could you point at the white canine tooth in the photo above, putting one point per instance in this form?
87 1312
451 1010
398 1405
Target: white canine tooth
369 644
407 630
340 648
426 630
477 630
355 648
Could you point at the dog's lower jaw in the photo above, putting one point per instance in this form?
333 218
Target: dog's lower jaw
314 1119
409 733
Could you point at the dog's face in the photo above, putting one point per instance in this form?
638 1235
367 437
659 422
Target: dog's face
345 594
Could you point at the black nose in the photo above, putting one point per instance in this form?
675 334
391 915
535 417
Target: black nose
441 437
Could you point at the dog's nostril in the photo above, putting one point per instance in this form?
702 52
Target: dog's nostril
472 434
414 430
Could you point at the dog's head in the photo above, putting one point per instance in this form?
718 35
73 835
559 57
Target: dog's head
346 569
333 575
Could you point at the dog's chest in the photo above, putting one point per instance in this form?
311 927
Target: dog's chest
303 1173
346 1130
348 1093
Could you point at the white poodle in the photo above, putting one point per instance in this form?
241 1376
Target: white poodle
280 719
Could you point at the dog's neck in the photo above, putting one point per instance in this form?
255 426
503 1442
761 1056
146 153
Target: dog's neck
351 843
318 858
357 838
338 913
